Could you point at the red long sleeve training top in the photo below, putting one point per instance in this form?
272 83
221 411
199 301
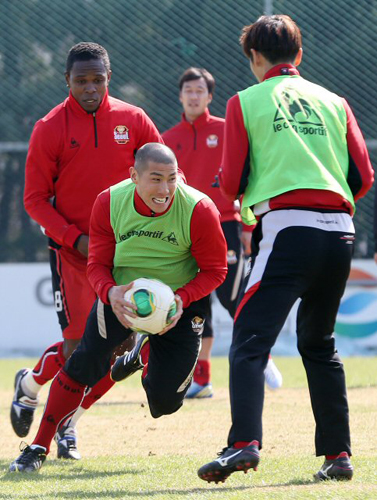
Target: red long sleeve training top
74 155
236 165
198 147
208 248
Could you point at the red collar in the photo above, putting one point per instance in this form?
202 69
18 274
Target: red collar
77 109
142 208
202 120
281 70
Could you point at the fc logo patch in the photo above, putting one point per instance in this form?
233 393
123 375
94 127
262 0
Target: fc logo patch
121 134
212 141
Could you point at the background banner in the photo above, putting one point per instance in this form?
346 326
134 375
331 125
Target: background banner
29 322
355 329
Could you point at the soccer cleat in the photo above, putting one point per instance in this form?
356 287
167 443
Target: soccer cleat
129 363
272 375
22 408
30 460
199 391
339 469
230 460
66 439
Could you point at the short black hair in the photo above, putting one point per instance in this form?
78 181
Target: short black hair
277 38
85 51
195 74
154 151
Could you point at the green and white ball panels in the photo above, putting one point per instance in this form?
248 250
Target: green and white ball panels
155 305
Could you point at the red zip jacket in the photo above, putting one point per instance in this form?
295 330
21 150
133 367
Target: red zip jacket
208 247
74 155
198 147
236 166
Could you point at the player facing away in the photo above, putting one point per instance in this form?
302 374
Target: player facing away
296 154
123 246
197 141
82 146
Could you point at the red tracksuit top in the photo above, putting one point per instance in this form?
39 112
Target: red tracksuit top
236 165
198 147
74 155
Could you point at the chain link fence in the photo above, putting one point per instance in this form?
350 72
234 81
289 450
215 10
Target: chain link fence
150 43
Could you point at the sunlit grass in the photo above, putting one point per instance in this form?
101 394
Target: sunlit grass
127 454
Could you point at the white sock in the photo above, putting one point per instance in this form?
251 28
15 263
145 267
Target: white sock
30 386
75 417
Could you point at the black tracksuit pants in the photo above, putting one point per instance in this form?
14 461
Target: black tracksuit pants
296 254
172 356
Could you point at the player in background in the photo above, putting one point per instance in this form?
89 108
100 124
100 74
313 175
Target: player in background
197 141
296 154
123 246
81 147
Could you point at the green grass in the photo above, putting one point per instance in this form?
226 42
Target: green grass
129 455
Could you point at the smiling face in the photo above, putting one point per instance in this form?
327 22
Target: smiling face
156 184
195 98
88 81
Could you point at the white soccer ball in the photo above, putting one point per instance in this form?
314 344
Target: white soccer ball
155 305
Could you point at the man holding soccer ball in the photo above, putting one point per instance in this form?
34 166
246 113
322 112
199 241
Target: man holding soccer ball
149 226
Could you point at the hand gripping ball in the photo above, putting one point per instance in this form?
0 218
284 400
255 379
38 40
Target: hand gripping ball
155 305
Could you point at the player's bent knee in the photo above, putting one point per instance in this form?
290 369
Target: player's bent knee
159 408
69 346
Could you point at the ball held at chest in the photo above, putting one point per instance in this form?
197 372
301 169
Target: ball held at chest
155 305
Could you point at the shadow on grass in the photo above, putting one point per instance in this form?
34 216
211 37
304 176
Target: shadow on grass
73 472
84 474
215 490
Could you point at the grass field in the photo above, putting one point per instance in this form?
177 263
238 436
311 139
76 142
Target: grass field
129 455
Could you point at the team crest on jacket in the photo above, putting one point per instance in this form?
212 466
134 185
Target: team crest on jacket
121 134
212 141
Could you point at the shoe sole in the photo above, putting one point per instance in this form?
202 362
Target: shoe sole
200 397
338 475
199 392
24 471
68 456
221 475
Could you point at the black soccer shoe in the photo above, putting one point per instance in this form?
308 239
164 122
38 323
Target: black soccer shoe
230 460
129 363
22 408
339 469
30 460
66 439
